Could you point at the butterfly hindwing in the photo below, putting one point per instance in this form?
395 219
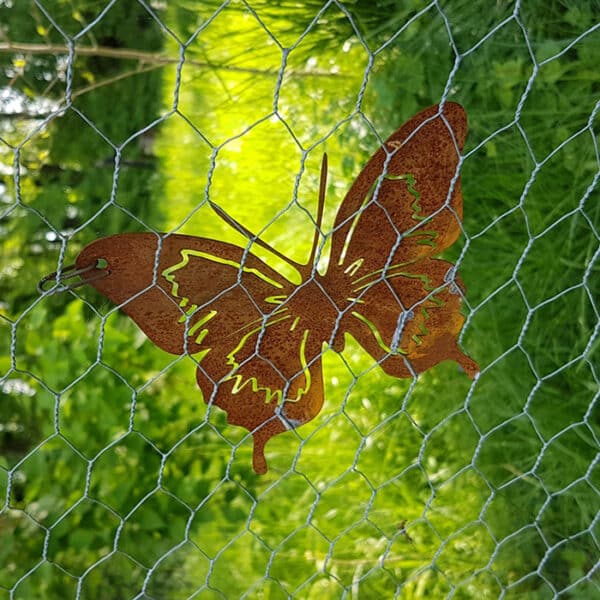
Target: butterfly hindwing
270 382
410 320
257 358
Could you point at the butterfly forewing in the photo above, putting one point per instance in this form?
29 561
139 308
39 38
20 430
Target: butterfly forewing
409 207
155 293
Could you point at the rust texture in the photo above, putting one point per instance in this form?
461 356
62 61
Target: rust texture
259 338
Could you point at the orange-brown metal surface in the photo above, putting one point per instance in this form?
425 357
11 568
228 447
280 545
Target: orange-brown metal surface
259 338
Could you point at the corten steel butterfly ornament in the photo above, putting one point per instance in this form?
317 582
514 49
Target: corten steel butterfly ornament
258 338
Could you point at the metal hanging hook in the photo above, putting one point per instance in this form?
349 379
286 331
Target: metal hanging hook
69 273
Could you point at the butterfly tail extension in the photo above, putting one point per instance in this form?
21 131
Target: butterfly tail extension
468 365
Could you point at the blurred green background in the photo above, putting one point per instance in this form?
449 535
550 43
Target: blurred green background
115 482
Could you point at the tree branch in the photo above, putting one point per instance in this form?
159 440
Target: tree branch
143 57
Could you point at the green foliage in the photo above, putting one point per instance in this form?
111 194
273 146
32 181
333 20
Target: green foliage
112 467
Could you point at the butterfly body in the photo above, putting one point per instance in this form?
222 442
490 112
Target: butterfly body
258 338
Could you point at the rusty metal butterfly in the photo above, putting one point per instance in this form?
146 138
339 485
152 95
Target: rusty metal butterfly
257 337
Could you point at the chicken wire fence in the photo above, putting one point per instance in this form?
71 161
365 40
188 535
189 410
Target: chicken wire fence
138 116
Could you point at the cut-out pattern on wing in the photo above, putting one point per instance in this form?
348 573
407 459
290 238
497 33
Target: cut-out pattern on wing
259 360
258 337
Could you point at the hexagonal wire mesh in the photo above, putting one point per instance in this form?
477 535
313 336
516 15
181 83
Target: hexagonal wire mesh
118 481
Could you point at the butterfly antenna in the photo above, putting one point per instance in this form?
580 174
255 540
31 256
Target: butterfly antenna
320 208
252 236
